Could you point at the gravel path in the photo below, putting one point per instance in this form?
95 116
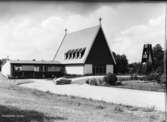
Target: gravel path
115 95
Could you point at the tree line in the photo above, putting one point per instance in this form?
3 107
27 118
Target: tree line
123 67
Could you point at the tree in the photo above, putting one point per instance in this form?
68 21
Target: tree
158 58
134 68
121 63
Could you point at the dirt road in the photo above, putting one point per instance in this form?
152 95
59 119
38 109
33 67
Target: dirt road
137 98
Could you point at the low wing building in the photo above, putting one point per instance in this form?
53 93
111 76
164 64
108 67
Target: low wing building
32 69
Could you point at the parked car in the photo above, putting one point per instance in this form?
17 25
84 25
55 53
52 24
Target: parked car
62 81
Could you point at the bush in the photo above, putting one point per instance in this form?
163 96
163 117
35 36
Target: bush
149 109
153 77
100 107
93 82
110 79
163 78
118 109
119 83
134 77
96 82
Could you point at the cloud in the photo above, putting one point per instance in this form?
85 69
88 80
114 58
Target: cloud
131 40
28 35
27 38
9 9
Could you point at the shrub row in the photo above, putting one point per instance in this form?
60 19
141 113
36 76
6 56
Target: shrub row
109 79
156 77
95 82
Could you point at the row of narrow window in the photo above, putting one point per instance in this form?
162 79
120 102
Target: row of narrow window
35 68
75 53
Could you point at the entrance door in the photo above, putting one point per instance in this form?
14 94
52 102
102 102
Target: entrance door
99 69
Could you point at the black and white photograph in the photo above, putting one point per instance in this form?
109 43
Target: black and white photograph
78 61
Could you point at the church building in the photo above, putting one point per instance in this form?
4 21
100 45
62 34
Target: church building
86 52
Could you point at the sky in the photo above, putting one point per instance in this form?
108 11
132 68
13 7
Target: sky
34 30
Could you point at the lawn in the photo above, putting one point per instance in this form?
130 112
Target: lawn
142 85
13 114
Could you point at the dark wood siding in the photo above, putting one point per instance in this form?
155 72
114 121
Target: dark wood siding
42 71
99 53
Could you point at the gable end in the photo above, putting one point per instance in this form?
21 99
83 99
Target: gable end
100 52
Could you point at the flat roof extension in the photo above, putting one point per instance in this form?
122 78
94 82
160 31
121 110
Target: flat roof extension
34 62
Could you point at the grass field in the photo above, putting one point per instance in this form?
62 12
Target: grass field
142 85
17 103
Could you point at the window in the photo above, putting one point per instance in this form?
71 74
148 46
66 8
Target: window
54 68
66 55
69 54
82 52
74 53
18 68
77 53
99 69
27 68
36 68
